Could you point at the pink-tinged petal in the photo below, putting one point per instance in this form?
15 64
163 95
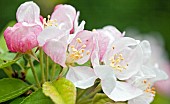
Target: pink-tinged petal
121 43
114 31
56 49
104 39
146 48
134 61
65 15
87 39
51 32
81 76
104 71
118 46
95 55
124 91
22 37
77 27
64 9
29 12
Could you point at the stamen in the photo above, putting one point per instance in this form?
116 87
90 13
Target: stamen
79 40
88 52
115 62
78 54
149 89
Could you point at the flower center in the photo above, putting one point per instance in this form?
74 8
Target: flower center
47 22
116 61
149 89
75 53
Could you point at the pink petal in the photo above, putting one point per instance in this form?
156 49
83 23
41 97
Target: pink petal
87 39
65 15
22 37
56 49
114 31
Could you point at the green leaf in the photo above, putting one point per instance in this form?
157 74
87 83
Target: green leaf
61 91
17 100
101 98
37 97
11 88
7 63
7 56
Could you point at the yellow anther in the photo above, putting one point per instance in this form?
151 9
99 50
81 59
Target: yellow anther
93 30
79 40
88 52
115 62
145 81
72 46
81 51
84 46
48 16
74 50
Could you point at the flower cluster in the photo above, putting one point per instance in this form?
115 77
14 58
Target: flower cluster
121 63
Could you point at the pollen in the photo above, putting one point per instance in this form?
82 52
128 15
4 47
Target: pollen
115 62
77 54
79 40
47 22
149 89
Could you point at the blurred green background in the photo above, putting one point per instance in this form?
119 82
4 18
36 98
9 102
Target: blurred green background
144 15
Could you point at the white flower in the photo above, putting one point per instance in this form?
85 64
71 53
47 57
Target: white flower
146 77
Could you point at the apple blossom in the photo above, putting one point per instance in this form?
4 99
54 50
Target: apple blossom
108 74
55 37
22 37
105 37
146 77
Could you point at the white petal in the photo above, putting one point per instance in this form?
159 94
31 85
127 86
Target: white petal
124 91
118 45
147 72
81 76
160 74
103 71
108 84
28 12
145 98
50 32
134 62
146 50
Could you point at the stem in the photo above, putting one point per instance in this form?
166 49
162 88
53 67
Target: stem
8 72
80 94
63 72
34 73
53 71
47 66
97 89
41 65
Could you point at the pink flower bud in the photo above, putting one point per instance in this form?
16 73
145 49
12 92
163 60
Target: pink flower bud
22 37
